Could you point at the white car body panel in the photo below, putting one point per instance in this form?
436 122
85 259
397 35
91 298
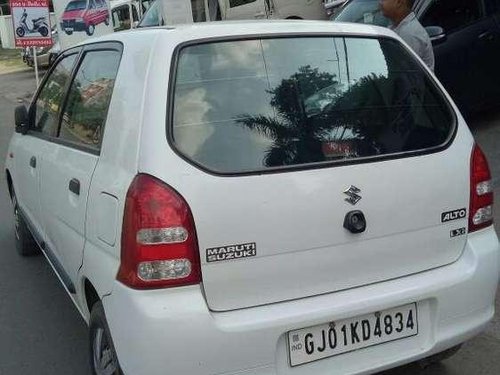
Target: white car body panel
63 211
297 262
118 163
27 178
179 330
254 340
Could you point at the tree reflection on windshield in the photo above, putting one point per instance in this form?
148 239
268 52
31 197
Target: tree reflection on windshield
318 119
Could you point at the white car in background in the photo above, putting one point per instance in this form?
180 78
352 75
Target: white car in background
331 6
165 12
126 14
45 55
216 203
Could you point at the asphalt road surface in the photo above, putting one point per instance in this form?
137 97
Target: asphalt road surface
42 333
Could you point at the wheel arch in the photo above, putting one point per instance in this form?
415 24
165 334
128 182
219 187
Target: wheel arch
10 184
91 295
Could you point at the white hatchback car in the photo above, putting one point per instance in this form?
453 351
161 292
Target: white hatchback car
256 198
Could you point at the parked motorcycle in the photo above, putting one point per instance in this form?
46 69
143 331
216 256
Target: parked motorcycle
39 26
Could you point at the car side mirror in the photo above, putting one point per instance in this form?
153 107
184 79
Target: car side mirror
436 34
21 119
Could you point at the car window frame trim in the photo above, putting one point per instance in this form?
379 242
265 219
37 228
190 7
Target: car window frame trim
309 166
32 108
82 50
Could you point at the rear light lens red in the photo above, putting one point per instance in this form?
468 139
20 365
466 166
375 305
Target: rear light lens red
481 192
159 248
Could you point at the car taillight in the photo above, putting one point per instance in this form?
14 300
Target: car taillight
159 248
481 192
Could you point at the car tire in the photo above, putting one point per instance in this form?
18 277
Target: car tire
103 359
25 243
90 29
106 21
439 357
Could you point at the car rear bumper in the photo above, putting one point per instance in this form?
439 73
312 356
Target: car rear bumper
173 331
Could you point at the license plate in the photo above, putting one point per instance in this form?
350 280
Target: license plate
68 29
338 337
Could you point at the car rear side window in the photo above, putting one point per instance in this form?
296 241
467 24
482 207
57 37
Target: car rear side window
85 113
251 105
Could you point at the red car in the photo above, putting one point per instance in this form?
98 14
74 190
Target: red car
84 15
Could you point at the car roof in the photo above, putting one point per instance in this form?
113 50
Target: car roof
221 29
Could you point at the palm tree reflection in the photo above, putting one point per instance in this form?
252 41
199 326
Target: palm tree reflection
313 111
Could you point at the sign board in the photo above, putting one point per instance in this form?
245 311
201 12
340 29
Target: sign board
79 20
31 22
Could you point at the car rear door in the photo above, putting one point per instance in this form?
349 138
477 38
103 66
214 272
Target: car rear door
29 149
70 163
464 62
316 172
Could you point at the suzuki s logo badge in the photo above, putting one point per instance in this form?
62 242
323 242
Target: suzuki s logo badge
352 195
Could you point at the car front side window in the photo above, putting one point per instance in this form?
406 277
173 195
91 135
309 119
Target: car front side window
48 103
86 109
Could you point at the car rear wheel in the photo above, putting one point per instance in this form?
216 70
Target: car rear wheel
90 29
103 359
25 243
106 21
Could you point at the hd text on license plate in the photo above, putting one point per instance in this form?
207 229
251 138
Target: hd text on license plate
337 337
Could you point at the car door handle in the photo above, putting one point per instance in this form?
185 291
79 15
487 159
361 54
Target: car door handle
487 36
74 186
33 162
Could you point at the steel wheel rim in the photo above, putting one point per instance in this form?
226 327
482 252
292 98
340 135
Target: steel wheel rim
102 354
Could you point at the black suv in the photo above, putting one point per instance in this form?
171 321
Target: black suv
467 49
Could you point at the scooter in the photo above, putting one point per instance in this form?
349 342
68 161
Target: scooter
39 25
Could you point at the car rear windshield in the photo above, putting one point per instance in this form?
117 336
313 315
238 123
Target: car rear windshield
255 105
